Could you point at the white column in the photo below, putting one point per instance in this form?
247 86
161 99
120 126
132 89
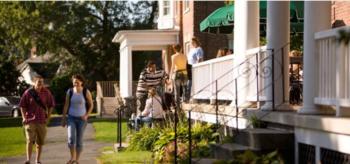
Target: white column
317 17
246 36
278 31
125 72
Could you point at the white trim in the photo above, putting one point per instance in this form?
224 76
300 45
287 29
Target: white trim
215 60
333 141
223 119
330 33
325 101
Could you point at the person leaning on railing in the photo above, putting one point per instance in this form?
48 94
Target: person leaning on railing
195 56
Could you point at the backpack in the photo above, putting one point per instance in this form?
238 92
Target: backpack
70 92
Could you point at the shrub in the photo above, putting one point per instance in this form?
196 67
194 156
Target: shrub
59 86
144 139
161 141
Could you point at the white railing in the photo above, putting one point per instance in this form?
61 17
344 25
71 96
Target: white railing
332 69
223 71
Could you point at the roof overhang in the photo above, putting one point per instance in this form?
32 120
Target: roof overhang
144 38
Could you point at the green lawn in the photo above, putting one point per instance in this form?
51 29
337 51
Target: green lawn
106 130
12 137
125 157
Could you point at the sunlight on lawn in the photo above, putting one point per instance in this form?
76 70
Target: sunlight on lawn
12 141
111 157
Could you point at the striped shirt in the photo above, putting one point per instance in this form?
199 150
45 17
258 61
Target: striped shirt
149 80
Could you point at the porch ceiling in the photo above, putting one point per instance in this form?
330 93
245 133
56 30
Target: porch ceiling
146 39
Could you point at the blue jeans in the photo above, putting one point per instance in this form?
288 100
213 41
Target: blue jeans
76 128
140 120
181 80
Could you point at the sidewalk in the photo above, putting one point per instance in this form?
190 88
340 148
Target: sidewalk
56 151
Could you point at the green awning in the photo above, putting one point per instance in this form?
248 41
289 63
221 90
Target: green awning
221 20
220 17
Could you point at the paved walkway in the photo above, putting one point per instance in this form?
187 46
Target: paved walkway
56 151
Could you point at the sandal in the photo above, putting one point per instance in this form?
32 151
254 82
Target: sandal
38 162
27 162
70 162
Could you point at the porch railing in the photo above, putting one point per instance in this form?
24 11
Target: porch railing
205 73
332 70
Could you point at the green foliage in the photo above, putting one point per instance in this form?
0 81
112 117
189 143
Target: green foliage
141 142
256 122
78 33
161 141
344 37
59 86
9 83
250 157
263 41
125 157
296 41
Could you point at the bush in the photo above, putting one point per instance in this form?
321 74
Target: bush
161 141
9 78
59 86
144 139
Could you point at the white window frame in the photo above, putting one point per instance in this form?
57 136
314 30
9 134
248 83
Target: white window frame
166 7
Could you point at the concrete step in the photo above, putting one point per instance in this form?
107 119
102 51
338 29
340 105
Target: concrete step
265 139
227 151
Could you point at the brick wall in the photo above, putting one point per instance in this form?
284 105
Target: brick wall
210 42
340 13
197 12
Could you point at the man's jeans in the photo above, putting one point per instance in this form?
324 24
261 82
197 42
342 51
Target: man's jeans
76 128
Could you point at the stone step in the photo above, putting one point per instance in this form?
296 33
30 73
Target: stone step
227 151
265 139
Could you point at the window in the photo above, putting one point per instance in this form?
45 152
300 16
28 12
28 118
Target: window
166 8
186 6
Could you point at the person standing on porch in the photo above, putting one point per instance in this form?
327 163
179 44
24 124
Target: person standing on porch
195 56
150 77
36 107
78 106
178 73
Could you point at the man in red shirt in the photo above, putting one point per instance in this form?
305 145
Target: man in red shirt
36 106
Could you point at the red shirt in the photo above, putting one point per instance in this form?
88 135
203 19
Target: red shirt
33 112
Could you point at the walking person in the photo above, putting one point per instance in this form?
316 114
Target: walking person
36 106
78 106
150 77
178 73
195 56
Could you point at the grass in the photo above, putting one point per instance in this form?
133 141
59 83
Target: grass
106 130
12 137
125 157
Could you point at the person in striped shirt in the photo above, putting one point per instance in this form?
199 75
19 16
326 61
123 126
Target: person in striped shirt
150 77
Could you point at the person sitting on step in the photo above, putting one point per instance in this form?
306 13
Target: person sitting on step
153 109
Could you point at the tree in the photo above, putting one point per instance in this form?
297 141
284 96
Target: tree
79 33
9 77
